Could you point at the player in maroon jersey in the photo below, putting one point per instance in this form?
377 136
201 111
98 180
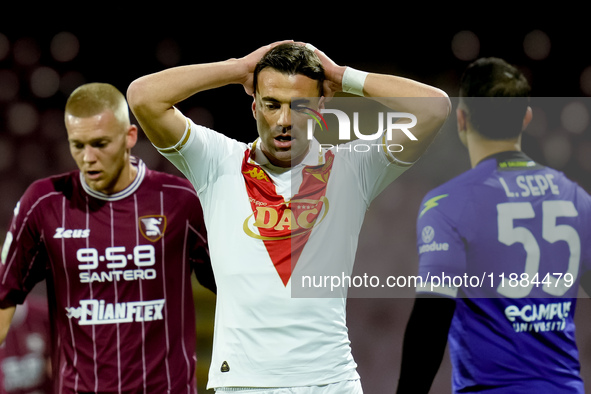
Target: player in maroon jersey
116 243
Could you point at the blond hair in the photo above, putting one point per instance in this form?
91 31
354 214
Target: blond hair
93 98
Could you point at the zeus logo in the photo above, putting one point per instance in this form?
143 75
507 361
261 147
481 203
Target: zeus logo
345 124
61 233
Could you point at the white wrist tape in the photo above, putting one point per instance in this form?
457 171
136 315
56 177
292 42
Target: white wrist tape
353 81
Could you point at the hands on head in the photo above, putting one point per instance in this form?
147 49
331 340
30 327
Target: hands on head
333 72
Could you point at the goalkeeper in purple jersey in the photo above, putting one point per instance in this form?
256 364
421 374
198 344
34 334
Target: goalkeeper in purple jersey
117 244
523 231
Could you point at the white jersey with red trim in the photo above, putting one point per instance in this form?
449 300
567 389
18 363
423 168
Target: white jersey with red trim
266 335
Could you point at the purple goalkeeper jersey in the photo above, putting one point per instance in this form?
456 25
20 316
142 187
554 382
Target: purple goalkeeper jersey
510 240
118 270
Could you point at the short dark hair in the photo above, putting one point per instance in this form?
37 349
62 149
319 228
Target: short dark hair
500 115
292 59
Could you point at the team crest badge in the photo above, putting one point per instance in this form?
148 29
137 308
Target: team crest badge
152 227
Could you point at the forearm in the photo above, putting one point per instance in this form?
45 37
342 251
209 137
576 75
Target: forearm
152 98
429 105
171 86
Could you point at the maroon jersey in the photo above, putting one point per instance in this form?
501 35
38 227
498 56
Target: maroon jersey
118 271
25 355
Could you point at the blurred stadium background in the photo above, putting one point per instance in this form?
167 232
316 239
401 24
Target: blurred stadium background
41 65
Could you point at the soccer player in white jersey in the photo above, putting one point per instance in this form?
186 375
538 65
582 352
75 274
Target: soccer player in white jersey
523 226
267 196
116 243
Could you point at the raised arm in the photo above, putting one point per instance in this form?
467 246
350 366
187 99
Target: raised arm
430 105
152 98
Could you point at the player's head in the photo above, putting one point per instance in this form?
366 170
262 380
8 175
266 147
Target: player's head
100 136
494 99
292 59
286 72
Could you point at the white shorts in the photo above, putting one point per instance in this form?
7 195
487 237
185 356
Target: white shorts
344 387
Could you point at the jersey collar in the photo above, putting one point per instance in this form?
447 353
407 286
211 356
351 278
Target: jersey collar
128 191
314 157
512 155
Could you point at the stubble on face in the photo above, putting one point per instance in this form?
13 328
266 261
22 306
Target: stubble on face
100 149
281 126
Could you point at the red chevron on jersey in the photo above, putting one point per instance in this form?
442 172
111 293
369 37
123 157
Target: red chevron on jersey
285 226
